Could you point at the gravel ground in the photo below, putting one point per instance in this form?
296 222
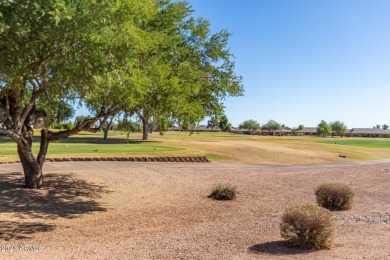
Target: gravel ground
128 210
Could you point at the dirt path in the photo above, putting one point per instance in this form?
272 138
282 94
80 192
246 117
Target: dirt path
125 210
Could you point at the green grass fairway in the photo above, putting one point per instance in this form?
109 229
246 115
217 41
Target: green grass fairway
363 142
88 146
219 147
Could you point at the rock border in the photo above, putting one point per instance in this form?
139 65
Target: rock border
372 218
188 159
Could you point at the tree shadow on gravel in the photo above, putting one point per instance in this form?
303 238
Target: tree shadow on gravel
278 248
21 230
63 196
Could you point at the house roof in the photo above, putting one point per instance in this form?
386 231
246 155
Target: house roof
308 130
372 131
205 128
277 131
199 128
236 129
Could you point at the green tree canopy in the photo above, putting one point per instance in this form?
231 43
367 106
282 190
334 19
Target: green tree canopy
300 127
224 124
323 129
338 128
272 125
128 125
148 56
187 71
250 125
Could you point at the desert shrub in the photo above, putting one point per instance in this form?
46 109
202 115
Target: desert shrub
307 226
223 192
334 196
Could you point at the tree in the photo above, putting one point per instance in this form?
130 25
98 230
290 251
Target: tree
163 124
57 112
272 125
187 71
106 126
224 124
80 118
250 124
385 127
323 129
128 125
75 51
338 128
300 127
213 122
149 57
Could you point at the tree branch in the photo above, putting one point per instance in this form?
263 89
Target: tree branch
84 125
31 104
7 109
11 134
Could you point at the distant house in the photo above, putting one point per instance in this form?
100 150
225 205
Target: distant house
283 132
307 131
207 129
242 131
367 132
276 132
235 130
197 129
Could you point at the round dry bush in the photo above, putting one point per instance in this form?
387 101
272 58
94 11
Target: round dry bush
307 226
334 196
223 192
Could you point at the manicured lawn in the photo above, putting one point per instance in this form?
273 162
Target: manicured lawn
362 142
219 147
89 145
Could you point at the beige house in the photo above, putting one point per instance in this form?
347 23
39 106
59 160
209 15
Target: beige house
197 129
367 132
307 131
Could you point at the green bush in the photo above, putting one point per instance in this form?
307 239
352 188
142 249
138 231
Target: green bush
58 126
223 192
334 196
67 126
307 226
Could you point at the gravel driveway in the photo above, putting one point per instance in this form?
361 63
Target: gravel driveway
128 210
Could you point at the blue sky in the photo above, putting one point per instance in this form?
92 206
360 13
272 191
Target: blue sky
303 60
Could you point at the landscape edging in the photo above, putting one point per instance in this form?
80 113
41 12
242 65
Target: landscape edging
190 159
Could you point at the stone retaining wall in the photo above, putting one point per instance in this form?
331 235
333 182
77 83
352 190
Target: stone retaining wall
193 159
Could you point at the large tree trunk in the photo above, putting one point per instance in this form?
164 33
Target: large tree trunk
105 132
106 127
145 129
31 167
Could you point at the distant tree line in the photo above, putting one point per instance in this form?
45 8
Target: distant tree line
335 128
271 125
